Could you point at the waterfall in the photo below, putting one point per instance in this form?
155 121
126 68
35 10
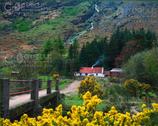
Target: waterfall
96 8
92 26
76 36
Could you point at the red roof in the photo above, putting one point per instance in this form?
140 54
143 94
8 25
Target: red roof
89 70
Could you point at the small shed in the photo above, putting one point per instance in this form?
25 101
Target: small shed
116 72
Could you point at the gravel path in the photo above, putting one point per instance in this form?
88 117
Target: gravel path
72 88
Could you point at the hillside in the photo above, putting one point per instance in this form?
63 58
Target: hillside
31 23
128 14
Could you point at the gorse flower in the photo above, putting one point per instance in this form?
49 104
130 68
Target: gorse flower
155 106
86 115
90 84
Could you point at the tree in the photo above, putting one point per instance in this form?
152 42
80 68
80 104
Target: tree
91 52
134 42
117 42
134 68
122 45
55 63
74 50
143 67
56 45
72 63
53 56
47 48
27 68
144 38
130 49
82 56
151 66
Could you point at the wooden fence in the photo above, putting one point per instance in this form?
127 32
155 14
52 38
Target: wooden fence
34 89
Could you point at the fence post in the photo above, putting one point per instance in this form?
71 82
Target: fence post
57 85
4 98
35 96
40 84
49 86
57 91
35 90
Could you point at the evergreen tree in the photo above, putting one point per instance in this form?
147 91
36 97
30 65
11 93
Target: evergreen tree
74 50
47 48
58 45
72 63
121 46
92 52
82 56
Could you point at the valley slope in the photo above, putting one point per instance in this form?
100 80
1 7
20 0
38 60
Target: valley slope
29 24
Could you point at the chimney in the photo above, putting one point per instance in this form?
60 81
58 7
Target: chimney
102 70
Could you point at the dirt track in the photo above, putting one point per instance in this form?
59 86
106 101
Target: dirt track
73 87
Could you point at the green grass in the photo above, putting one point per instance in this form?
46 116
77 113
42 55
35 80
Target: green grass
74 99
74 11
22 25
46 30
69 101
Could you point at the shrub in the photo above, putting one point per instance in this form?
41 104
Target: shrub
134 68
143 67
144 86
6 71
135 87
114 79
151 66
90 84
132 85
117 95
22 25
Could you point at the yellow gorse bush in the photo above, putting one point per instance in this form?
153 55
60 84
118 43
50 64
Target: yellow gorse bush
86 115
90 84
133 86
